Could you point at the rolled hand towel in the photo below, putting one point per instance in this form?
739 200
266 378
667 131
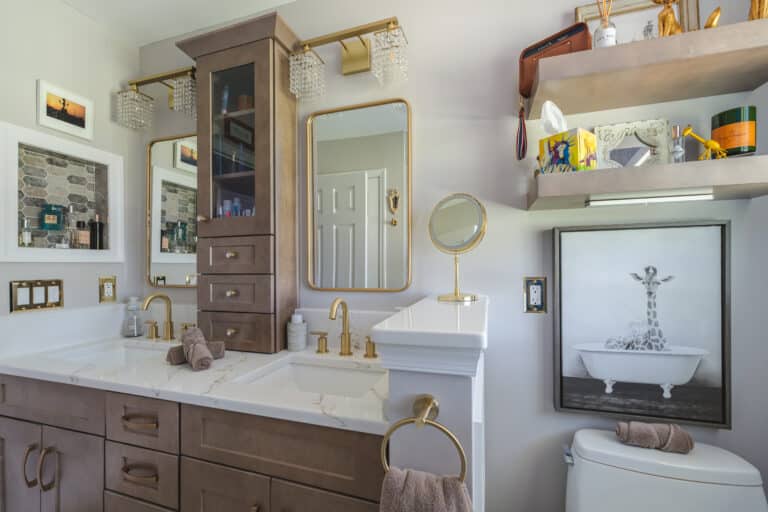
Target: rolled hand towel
414 491
667 438
176 353
196 349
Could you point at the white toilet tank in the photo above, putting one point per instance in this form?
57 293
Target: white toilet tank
607 476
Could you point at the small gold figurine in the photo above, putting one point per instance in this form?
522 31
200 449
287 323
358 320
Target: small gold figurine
714 18
710 146
668 23
759 10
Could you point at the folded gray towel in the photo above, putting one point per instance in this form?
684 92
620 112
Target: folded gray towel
196 349
176 353
415 491
661 436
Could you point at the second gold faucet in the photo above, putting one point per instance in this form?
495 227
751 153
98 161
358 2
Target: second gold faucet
346 336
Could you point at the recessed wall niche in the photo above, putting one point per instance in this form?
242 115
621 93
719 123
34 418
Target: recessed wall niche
61 197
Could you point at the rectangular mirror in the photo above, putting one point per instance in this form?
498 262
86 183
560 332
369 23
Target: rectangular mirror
172 212
359 197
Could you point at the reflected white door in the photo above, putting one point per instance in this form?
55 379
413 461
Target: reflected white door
349 230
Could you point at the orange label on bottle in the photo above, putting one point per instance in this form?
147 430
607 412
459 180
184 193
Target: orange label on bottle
51 219
736 135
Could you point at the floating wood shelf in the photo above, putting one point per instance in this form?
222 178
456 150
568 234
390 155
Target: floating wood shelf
733 178
728 59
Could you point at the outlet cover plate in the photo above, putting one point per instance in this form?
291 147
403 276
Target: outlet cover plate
107 289
535 294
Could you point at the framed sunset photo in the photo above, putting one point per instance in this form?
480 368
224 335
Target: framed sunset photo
64 111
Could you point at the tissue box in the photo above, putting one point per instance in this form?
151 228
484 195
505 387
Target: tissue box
571 151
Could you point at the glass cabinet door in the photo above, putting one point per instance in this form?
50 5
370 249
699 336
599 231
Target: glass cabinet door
232 144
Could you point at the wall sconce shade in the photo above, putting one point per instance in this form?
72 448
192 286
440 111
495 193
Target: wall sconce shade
185 96
134 109
307 74
390 56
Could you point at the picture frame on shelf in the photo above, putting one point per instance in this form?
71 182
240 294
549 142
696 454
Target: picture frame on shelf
631 17
634 144
643 331
238 132
65 111
185 155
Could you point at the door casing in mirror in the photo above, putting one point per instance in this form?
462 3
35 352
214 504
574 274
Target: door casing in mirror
150 178
406 206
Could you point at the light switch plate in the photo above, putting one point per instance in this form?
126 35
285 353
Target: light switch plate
108 289
36 295
535 294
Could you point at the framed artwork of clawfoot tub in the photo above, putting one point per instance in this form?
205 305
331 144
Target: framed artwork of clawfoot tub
642 322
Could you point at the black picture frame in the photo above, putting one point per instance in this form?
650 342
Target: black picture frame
688 404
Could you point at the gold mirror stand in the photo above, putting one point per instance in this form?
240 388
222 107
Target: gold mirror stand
457 295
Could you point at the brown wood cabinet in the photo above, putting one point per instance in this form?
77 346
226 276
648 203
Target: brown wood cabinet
290 497
212 488
246 180
114 502
20 444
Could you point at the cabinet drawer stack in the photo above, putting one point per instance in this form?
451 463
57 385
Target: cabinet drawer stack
247 288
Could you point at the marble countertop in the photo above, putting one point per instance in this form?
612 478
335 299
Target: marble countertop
328 390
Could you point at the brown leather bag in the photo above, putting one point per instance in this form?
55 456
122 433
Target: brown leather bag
573 39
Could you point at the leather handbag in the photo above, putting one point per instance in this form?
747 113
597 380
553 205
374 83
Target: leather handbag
573 39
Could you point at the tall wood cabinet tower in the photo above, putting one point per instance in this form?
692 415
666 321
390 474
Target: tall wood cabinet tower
246 127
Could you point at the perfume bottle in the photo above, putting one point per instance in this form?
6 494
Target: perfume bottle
83 235
26 235
225 99
678 145
97 233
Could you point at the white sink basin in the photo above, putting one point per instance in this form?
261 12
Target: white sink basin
348 379
107 356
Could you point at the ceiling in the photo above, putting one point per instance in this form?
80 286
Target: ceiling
145 21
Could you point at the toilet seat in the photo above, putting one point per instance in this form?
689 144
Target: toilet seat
705 464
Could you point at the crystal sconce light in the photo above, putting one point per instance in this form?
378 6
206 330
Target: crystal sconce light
135 109
386 57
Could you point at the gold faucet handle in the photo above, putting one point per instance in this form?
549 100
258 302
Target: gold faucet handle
152 332
370 348
185 327
322 341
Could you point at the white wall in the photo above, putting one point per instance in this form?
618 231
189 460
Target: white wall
46 39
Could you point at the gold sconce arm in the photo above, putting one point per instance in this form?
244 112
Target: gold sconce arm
350 33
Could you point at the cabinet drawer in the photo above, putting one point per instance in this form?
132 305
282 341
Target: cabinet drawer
289 497
117 503
209 487
236 255
60 405
241 331
337 460
143 474
237 294
144 422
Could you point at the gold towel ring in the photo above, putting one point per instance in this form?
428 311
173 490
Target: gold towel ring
438 426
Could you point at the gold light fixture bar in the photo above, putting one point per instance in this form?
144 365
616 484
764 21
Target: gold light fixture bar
356 50
162 77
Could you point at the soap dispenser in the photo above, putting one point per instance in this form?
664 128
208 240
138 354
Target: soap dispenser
133 327
297 333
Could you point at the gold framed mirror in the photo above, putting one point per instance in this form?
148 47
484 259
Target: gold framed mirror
359 198
456 226
171 216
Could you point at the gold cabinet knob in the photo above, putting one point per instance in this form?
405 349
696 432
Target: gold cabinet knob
230 332
185 327
231 293
322 341
202 218
230 255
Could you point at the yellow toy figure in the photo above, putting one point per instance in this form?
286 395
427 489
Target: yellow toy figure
668 24
759 10
710 146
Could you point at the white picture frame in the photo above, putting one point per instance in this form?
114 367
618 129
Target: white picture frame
180 160
80 110
655 132
11 136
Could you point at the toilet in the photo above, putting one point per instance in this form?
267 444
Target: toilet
605 475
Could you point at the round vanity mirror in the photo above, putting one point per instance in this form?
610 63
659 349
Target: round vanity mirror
457 225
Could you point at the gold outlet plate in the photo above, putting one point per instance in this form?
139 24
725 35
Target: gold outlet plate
356 56
107 289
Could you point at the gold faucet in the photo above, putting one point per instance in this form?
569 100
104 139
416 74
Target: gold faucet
168 324
346 338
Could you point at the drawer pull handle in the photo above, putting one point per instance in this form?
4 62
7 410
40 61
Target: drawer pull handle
41 465
31 448
230 332
141 423
147 476
255 508
231 293
230 255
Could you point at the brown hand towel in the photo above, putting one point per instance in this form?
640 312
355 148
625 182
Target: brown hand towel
176 353
414 491
196 349
667 438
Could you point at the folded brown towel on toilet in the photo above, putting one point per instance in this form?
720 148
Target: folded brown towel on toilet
176 353
667 438
415 491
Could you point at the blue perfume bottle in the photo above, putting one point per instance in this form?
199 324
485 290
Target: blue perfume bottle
52 217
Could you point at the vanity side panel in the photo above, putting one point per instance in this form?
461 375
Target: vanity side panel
60 405
336 460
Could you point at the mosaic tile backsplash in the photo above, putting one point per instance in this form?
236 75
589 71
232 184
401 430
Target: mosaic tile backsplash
46 177
179 203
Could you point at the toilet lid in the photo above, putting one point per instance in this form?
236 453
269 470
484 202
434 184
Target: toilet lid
708 464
